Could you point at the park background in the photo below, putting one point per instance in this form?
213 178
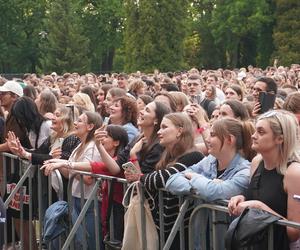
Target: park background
128 35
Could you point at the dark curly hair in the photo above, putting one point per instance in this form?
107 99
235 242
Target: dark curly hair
129 109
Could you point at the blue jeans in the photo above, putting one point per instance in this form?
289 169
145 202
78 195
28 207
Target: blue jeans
89 225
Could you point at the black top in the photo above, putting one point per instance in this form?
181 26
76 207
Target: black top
158 179
267 187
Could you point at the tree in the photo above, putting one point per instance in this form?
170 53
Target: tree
65 48
20 25
287 32
154 34
103 25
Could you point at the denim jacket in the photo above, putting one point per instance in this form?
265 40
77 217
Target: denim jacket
235 179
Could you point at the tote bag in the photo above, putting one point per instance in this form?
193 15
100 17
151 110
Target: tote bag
132 239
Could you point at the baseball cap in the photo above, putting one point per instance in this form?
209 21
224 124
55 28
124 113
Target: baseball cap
241 75
12 86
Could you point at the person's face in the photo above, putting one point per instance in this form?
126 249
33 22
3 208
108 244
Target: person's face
257 88
122 83
141 90
7 99
194 87
140 104
168 134
57 121
263 139
147 116
116 112
208 91
100 96
214 143
230 94
81 127
109 144
211 80
226 111
184 87
108 102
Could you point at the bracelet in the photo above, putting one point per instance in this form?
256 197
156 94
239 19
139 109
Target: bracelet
133 160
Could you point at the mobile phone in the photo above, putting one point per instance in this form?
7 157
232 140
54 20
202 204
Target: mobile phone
267 101
130 167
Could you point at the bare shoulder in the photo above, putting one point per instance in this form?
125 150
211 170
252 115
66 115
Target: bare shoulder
291 178
254 163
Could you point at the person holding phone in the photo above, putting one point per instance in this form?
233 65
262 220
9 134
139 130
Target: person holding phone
264 93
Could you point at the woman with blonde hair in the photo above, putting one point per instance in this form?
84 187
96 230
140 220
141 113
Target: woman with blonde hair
82 102
275 174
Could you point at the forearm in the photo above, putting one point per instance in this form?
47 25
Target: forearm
110 163
4 147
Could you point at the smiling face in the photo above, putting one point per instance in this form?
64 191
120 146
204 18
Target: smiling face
140 104
257 88
81 127
116 116
57 121
264 140
168 134
147 116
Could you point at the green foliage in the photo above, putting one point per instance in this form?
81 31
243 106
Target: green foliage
287 32
103 25
20 24
154 34
65 48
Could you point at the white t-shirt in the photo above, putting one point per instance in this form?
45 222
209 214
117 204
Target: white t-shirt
89 154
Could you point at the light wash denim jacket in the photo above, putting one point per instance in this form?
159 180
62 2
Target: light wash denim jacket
235 179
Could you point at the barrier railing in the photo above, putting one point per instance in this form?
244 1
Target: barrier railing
27 171
20 181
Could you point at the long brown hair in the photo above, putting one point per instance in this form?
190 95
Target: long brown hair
185 141
92 118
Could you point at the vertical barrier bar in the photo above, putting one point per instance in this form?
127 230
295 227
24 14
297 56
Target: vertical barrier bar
181 232
40 212
143 220
270 237
111 218
161 219
214 231
97 221
30 207
81 206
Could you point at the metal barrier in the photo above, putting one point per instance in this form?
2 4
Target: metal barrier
26 173
19 193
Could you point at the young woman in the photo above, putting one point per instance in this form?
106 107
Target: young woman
113 142
234 109
222 174
123 111
275 174
85 126
27 115
46 102
234 92
59 144
176 135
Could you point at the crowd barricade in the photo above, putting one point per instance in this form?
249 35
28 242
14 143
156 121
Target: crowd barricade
27 171
23 184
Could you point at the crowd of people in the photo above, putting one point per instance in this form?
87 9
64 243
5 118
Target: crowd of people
205 132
